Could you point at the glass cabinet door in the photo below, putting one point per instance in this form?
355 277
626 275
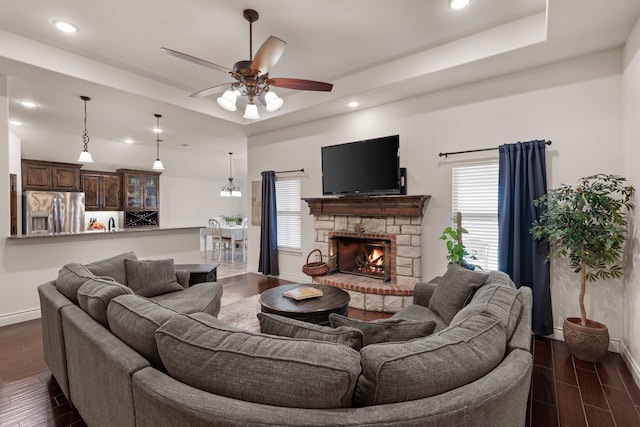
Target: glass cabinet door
151 192
134 196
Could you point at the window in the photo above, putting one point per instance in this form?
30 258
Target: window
288 212
475 195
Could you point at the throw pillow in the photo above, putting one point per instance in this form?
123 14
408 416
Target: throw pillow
70 278
112 267
134 319
95 295
386 330
454 290
203 352
273 324
431 366
149 278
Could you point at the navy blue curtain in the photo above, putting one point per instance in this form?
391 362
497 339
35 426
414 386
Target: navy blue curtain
268 262
522 179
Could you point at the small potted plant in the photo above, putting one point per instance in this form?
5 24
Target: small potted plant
457 252
587 224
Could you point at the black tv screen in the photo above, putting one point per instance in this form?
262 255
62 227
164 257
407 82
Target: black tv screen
364 167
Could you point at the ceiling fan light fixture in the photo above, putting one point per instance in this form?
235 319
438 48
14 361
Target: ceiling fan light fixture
274 102
251 112
228 101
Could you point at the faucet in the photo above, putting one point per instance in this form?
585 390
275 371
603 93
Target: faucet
112 224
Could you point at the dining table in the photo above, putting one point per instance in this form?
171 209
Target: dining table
233 232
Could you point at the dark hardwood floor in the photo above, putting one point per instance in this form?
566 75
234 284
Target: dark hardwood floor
564 391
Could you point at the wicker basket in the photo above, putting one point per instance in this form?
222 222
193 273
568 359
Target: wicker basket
315 268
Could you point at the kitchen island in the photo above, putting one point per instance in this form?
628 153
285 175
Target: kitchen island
101 233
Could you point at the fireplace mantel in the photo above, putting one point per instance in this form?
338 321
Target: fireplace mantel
375 206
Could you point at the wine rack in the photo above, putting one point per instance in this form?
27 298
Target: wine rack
141 219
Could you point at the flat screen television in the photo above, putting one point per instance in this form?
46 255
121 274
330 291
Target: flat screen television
366 167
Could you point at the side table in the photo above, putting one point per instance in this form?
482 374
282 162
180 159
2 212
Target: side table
200 272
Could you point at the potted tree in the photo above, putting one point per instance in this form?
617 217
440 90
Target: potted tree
587 224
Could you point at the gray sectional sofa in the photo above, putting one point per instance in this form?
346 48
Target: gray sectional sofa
156 364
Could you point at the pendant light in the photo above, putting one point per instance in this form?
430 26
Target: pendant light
85 156
157 165
230 189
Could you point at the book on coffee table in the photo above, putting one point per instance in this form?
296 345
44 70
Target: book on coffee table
303 293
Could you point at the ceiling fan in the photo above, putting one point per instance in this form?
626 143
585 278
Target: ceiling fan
252 76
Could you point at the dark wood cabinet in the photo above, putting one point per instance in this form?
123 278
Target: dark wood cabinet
102 190
50 176
140 197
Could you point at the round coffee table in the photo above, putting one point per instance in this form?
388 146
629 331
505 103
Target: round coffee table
313 310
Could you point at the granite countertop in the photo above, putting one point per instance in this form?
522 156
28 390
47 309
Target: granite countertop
101 233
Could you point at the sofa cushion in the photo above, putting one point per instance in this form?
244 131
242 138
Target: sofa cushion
202 351
502 302
95 294
454 290
398 372
134 319
70 278
112 267
201 297
149 278
420 312
386 330
273 324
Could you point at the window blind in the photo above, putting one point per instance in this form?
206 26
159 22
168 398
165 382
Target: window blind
288 206
475 195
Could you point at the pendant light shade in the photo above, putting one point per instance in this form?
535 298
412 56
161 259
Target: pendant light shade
85 155
157 164
251 112
230 189
228 101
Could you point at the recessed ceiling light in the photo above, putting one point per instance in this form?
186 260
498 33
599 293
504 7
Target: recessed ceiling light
459 4
128 140
15 122
65 26
353 104
28 103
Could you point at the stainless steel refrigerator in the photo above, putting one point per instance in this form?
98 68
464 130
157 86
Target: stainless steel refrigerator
50 212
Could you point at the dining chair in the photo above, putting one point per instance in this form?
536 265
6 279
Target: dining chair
245 238
217 239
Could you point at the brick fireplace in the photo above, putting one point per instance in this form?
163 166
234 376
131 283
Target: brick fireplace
372 246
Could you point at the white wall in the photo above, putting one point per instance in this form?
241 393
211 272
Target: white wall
631 99
576 104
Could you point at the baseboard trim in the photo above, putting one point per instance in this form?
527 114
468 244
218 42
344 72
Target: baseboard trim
632 365
614 343
20 316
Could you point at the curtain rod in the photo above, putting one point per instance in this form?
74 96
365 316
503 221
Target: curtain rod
475 151
296 170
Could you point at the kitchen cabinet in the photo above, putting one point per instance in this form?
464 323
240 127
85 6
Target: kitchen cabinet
102 190
141 190
50 176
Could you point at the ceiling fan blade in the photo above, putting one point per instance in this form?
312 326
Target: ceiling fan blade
300 84
209 91
268 54
195 60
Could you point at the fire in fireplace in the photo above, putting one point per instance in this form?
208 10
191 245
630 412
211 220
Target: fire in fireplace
362 256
